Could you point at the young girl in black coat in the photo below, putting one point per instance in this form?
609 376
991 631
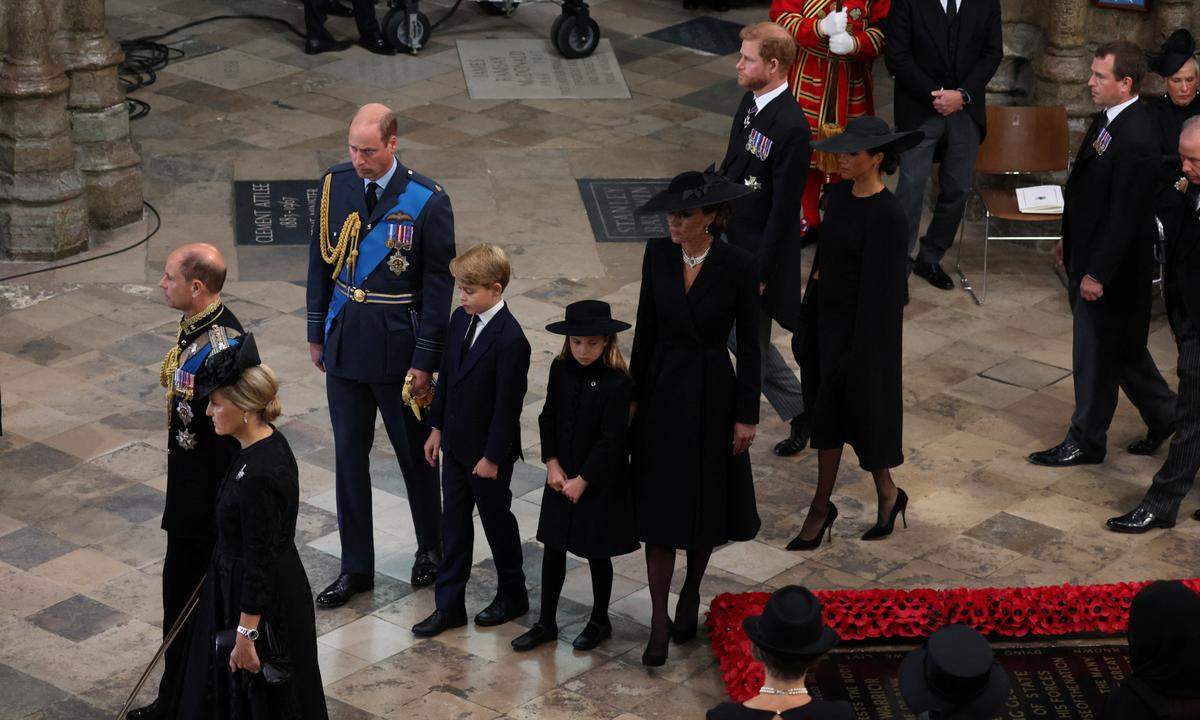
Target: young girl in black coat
587 504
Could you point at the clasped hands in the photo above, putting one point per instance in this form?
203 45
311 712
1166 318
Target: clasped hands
556 478
947 102
833 26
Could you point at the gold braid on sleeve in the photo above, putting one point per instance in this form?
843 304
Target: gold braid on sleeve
346 248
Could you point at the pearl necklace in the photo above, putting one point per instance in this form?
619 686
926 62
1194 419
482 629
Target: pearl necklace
691 261
766 690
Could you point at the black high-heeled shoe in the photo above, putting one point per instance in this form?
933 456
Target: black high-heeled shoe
681 633
881 531
799 543
652 657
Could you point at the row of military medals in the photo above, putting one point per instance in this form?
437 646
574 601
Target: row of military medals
400 237
183 390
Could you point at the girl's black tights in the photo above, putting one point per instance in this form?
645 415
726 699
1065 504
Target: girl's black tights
554 573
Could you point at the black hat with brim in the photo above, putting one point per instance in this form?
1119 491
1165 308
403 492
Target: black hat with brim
693 189
1175 51
790 625
869 133
222 368
955 673
588 318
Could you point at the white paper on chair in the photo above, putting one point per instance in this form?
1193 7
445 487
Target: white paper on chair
1040 199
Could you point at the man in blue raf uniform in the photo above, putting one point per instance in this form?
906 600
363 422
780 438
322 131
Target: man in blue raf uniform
379 291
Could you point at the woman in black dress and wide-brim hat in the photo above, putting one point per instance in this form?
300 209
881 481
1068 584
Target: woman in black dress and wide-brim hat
853 313
695 414
1176 62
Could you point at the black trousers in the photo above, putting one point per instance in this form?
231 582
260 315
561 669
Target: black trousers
463 492
1174 479
364 18
352 408
183 568
1101 368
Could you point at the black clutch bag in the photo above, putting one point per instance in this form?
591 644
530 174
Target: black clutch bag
275 666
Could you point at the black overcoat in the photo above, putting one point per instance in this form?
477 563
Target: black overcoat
1181 231
584 424
853 323
690 491
1108 225
1168 119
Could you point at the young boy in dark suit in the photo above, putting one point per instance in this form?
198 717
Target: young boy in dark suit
475 420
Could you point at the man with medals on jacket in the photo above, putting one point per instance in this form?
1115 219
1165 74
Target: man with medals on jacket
379 289
197 458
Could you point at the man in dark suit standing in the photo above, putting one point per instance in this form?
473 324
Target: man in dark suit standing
1108 252
942 53
379 289
1178 209
770 145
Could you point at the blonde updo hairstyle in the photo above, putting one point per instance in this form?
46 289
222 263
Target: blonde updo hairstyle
256 391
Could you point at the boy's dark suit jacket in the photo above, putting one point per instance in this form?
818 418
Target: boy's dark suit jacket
478 401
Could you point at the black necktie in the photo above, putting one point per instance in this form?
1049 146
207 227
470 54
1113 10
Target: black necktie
1103 120
951 11
371 197
471 327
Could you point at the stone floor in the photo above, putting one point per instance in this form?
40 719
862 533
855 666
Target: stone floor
82 459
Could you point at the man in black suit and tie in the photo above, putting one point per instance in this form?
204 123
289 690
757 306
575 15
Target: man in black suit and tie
770 145
942 53
379 289
1108 251
1178 209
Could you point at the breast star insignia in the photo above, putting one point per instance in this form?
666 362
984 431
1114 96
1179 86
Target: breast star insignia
397 263
186 439
752 183
184 411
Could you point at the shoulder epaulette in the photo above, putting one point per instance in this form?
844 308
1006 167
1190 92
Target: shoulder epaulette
413 175
340 168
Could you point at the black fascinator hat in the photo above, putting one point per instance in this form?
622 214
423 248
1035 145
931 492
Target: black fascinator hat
224 366
693 189
1173 53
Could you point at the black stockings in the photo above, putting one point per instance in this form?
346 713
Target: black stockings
554 573
660 566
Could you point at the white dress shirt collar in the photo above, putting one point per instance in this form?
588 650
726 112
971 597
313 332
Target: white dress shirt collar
1115 110
762 100
957 5
383 181
485 317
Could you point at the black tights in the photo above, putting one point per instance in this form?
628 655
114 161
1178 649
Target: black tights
554 573
660 566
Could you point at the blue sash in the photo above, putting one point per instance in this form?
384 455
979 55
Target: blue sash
195 362
373 248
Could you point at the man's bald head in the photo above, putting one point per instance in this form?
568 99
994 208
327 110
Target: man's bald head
1189 149
372 141
202 262
377 116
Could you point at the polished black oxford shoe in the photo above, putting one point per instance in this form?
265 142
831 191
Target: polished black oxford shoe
796 440
345 587
424 572
1147 445
592 635
1138 521
438 623
1196 515
539 634
316 47
500 612
149 712
933 274
1065 454
377 45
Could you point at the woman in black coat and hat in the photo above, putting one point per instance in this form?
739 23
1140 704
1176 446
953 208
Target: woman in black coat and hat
252 652
587 504
789 638
1176 63
954 676
853 314
696 413
1164 655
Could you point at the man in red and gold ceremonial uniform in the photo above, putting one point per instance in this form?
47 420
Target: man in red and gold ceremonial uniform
846 35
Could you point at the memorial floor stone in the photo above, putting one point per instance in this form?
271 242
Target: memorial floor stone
706 34
276 212
512 69
612 205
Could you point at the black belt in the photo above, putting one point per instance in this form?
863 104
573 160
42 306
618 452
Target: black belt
369 297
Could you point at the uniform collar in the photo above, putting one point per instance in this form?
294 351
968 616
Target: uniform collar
387 176
1115 110
762 100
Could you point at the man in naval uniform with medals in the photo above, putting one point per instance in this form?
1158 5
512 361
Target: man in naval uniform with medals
197 458
379 289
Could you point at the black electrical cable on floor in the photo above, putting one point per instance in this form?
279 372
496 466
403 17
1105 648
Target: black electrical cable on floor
143 241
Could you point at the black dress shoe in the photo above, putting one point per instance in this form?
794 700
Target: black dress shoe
539 634
1066 454
438 623
500 612
345 587
149 712
1147 445
424 572
337 9
316 47
795 441
1138 521
1196 515
934 274
377 45
592 635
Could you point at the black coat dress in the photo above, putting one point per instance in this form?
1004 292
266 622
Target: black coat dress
853 321
255 569
585 425
1169 118
689 490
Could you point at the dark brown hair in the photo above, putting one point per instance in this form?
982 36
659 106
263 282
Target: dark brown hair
1128 61
780 668
723 212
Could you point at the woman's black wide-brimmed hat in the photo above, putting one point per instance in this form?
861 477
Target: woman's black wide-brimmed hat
790 625
693 189
223 367
869 133
1173 53
955 673
588 318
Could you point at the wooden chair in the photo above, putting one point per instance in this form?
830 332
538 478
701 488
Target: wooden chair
1020 140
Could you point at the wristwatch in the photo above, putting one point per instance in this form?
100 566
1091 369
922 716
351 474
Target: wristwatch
250 634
